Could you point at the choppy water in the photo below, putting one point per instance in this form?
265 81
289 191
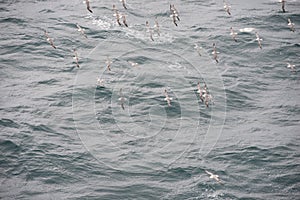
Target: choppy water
63 136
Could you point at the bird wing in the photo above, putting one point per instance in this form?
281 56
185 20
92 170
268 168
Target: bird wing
209 173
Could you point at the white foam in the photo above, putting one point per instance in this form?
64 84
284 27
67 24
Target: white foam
247 30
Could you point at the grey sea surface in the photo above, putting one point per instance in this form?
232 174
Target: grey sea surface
66 136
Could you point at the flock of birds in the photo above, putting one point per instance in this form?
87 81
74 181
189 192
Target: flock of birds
234 34
204 94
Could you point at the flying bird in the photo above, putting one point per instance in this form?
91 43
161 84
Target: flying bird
291 25
213 176
156 26
233 34
49 40
292 67
174 19
76 58
124 4
124 20
258 39
149 30
174 14
133 64
122 99
117 15
108 63
198 49
81 30
200 92
87 2
227 7
174 11
215 53
100 81
167 98
207 98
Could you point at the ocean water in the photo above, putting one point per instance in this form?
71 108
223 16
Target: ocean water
65 136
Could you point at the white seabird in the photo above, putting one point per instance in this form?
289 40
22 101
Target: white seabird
174 11
174 14
215 53
117 15
76 58
133 64
156 26
292 67
122 99
200 91
108 63
81 30
198 49
168 99
149 30
227 7
204 89
174 19
206 96
100 81
258 39
124 20
213 176
49 40
124 4
233 34
291 25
